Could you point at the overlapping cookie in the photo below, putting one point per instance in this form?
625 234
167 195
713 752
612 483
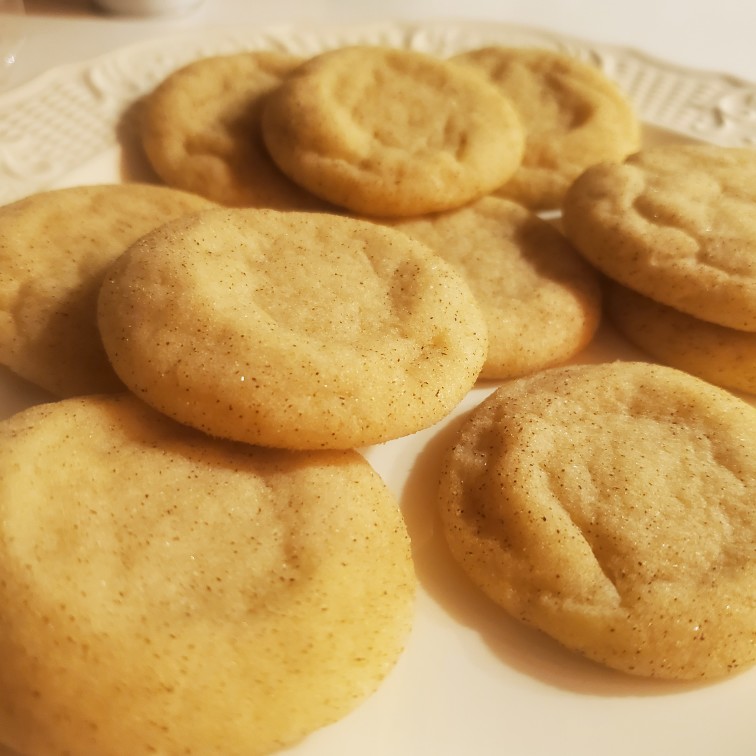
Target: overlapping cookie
164 592
54 249
540 299
200 129
611 506
572 113
296 330
721 355
677 224
392 132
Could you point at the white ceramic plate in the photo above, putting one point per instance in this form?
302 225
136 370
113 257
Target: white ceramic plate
472 681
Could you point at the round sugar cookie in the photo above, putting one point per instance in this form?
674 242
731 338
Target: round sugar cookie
611 506
721 355
389 132
676 224
294 330
572 113
200 129
54 248
164 592
540 299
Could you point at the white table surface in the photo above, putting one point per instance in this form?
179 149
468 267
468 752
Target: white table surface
711 34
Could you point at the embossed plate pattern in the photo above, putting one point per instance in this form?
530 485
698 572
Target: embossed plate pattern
65 118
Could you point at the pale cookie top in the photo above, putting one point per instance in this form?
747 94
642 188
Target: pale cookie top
170 593
572 113
611 506
54 248
677 224
391 132
200 129
298 330
541 300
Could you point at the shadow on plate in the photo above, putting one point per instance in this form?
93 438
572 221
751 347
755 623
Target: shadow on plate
134 164
16 394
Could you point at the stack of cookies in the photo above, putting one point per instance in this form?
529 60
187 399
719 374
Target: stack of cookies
674 230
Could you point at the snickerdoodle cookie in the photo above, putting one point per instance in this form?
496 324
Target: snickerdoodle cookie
611 506
200 129
54 249
572 113
675 223
391 132
295 330
718 354
164 592
541 300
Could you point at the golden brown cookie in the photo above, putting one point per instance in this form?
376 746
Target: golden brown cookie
163 592
676 224
541 300
200 129
295 330
389 132
572 113
611 506
54 248
721 355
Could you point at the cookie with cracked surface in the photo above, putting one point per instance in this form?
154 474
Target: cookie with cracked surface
295 330
572 113
392 132
611 506
677 224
